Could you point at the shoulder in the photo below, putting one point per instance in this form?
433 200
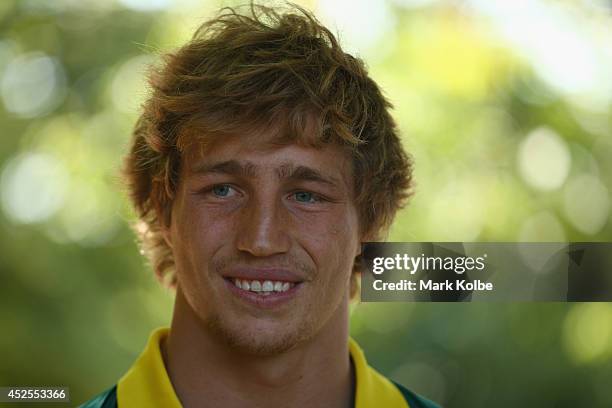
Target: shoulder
414 400
376 390
107 399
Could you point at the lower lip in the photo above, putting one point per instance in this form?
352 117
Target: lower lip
274 299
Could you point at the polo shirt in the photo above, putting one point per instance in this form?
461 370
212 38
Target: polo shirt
146 384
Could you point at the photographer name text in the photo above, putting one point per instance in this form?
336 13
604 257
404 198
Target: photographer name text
431 285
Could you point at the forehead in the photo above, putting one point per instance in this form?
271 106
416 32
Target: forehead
264 154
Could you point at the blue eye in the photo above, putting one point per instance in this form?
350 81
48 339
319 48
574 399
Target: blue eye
221 190
305 197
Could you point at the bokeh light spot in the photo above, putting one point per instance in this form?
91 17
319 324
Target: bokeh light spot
586 202
544 159
351 17
128 87
33 187
542 227
456 212
587 332
32 85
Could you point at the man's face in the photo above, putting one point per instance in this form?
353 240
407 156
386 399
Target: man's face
264 238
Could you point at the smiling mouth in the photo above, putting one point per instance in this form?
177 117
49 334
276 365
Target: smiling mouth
262 287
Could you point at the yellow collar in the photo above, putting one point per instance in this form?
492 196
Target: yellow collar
146 384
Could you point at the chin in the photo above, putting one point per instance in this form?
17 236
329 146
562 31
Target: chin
258 341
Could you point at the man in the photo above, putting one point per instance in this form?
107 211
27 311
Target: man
263 159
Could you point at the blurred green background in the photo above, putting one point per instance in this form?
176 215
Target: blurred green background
505 106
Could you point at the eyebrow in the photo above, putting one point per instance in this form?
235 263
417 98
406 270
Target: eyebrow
232 167
305 173
285 171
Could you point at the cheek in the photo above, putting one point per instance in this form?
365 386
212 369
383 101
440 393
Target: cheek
197 237
204 225
333 244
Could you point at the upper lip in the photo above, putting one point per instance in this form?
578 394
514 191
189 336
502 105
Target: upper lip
263 274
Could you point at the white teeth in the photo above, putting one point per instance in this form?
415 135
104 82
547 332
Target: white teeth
266 288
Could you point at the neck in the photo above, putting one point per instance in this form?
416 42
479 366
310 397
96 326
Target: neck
207 372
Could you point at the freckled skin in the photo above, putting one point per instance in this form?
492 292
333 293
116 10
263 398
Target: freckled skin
260 220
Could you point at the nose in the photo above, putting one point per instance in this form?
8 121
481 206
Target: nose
262 229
